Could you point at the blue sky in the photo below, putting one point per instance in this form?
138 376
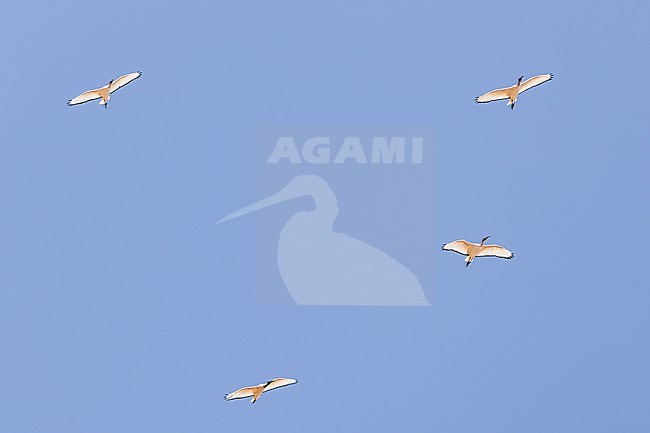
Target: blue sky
124 308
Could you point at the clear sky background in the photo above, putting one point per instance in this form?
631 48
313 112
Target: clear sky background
123 308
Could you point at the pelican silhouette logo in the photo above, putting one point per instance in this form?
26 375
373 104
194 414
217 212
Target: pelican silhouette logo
361 255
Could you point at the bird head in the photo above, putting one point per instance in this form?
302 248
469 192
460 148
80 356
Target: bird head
520 78
485 239
299 186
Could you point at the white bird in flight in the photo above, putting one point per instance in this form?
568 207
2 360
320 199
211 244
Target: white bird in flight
472 250
256 391
512 92
105 92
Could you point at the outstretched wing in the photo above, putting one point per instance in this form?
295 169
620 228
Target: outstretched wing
535 81
460 247
124 80
278 383
89 95
495 251
241 393
494 95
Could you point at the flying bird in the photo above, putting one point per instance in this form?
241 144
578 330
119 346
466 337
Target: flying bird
105 92
512 92
472 250
256 391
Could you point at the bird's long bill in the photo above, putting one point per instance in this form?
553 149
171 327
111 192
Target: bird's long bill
280 196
